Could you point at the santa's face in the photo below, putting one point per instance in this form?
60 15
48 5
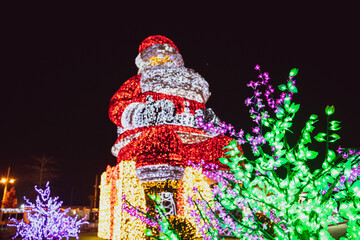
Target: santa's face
159 55
160 59
161 52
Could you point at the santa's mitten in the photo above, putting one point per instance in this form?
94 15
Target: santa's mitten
208 116
151 113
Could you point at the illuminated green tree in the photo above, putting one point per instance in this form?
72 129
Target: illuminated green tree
299 205
254 201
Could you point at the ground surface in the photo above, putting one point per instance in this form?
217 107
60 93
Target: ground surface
6 235
87 236
335 231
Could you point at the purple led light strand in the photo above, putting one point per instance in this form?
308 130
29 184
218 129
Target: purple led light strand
137 213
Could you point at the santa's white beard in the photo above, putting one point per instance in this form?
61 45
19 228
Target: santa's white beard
181 82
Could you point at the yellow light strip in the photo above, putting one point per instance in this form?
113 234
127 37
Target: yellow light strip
104 209
124 226
129 184
194 178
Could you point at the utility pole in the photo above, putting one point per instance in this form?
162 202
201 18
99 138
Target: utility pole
5 188
96 190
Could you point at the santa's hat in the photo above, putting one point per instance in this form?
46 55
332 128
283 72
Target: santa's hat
156 39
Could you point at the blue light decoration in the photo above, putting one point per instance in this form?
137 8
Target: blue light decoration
46 219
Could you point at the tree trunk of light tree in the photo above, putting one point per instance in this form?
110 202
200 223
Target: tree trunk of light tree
42 169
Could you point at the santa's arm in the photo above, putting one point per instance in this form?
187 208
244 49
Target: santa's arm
123 98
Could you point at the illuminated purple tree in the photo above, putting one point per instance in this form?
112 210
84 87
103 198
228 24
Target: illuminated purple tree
46 219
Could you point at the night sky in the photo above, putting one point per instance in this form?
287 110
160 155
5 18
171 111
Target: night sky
61 67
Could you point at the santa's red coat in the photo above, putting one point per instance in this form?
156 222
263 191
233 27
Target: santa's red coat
162 144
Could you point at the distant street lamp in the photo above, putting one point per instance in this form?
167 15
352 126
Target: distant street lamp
5 181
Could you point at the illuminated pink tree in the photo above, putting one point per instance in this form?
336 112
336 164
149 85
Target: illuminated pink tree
46 219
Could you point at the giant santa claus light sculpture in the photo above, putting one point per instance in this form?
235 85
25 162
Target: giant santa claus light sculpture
155 112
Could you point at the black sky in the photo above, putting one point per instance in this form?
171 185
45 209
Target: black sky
61 67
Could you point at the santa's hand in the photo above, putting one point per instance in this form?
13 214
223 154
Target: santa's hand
148 114
208 116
